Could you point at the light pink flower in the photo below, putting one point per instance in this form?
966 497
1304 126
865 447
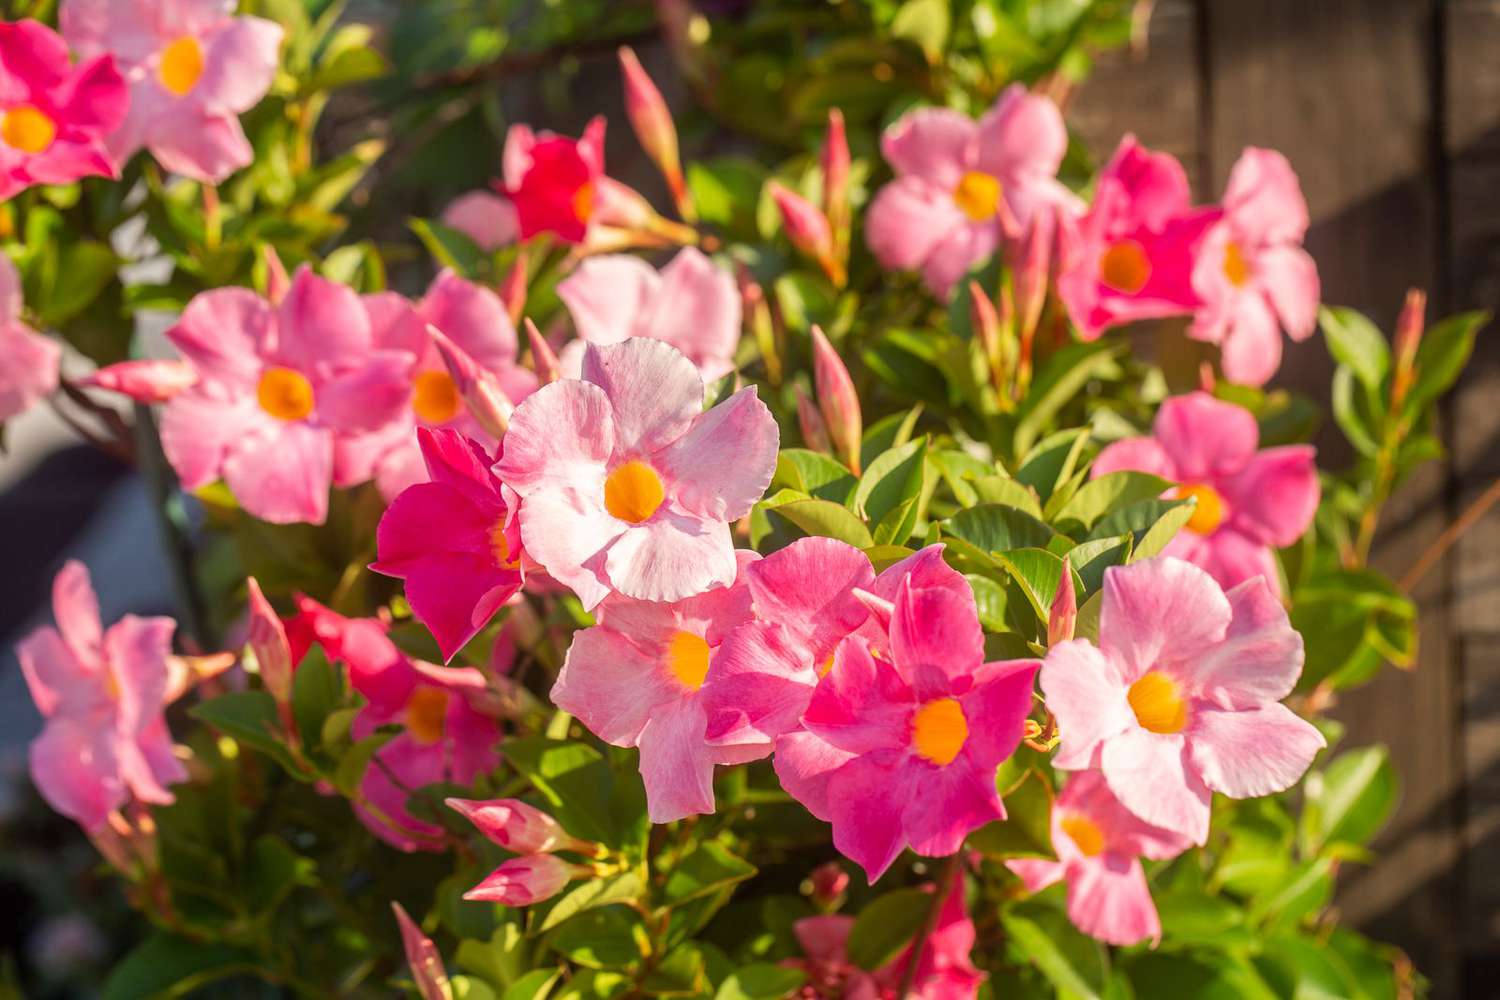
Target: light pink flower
54 117
1251 272
962 186
193 69
277 387
626 484
1099 844
1131 256
28 360
634 680
454 540
518 827
526 880
487 218
1249 502
901 740
691 304
1182 696
102 694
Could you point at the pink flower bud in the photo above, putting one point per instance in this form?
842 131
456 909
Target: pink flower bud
652 121
829 882
1032 270
543 358
526 880
757 313
808 229
838 400
518 827
278 283
267 638
986 323
836 179
145 381
422 956
513 288
1409 329
482 395
810 422
1063 618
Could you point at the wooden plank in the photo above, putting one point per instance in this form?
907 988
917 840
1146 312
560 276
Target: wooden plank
1481 700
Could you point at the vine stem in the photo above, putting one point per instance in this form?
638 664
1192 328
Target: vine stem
1451 535
948 878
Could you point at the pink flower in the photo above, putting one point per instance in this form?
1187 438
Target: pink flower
28 361
901 739
634 679
54 117
454 540
102 694
626 484
526 880
1131 257
486 218
1099 844
1182 696
518 827
962 186
553 181
691 304
193 68
1248 502
277 388
1252 274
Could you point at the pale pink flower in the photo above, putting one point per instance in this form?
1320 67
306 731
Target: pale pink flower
102 694
526 880
1249 501
28 360
1099 844
487 218
1182 696
627 485
518 827
1251 272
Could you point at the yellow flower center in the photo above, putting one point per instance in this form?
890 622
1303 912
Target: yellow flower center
977 195
28 129
939 731
1157 704
583 202
1209 513
435 398
1084 833
1125 267
687 659
825 666
500 545
181 65
285 394
426 714
633 491
1235 267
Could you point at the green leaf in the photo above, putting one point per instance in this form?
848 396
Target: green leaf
996 528
891 480
761 981
606 937
1444 351
814 474
1099 497
726 190
351 768
1347 415
1354 341
1006 491
317 689
1026 831
820 517
990 597
535 985
1076 965
1151 524
891 431
1090 559
84 270
272 870
168 966
680 973
1349 800
897 525
351 66
449 247
925 23
470 988
575 780
1060 379
624 887
1053 461
887 925
251 718
707 868
1038 572
1215 976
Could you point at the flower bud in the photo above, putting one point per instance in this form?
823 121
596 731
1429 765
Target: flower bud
518 827
267 639
835 162
526 880
1032 270
543 358
838 400
482 395
808 229
1409 329
278 283
829 882
810 421
513 288
757 313
422 956
652 121
144 381
1063 618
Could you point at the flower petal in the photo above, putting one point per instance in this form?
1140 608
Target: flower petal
807 587
612 686
1160 612
1274 498
1254 752
282 474
668 558
1261 656
935 144
1150 775
1206 438
610 296
1086 693
654 392
1137 454
561 436
758 686
1108 899
723 462
676 766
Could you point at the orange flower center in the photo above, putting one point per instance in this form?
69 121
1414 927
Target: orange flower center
1125 267
977 195
583 201
1084 833
1236 269
633 491
1157 704
500 545
435 398
1209 513
939 731
28 129
285 394
181 65
427 714
687 659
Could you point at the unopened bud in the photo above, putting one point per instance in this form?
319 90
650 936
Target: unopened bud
1032 272
810 422
829 882
1062 620
481 392
518 827
513 287
807 228
526 880
144 381
267 639
543 358
757 313
835 162
838 400
652 121
422 957
278 283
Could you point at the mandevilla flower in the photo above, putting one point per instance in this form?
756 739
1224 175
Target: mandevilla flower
626 484
518 827
28 360
1099 844
1248 501
553 181
193 69
102 694
1182 695
1252 273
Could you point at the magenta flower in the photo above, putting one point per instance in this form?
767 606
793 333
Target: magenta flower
54 117
454 540
553 181
962 186
691 304
1249 502
634 679
526 880
277 387
626 484
102 694
1182 696
28 360
1131 256
487 218
1099 844
193 69
1252 274
901 740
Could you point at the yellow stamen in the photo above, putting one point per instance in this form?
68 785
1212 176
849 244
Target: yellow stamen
427 714
939 731
977 195
1236 269
687 659
181 65
1210 511
285 394
500 546
1125 267
633 491
825 666
583 202
435 398
1157 704
1084 833
28 129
